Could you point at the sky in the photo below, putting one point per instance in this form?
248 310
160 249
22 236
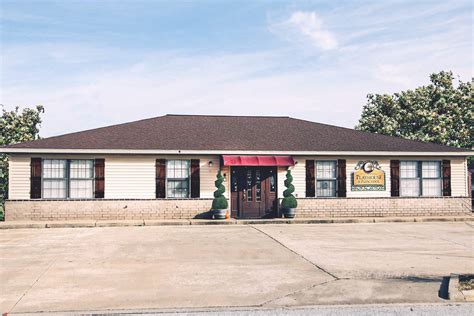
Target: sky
98 63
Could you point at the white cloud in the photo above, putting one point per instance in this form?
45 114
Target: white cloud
86 85
240 84
310 26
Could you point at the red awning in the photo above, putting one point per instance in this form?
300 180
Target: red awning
281 161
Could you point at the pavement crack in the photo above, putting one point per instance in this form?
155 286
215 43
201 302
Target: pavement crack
312 286
296 253
34 283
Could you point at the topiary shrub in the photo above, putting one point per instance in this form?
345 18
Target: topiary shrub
219 202
289 201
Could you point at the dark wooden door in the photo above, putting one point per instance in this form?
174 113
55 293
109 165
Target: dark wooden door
253 191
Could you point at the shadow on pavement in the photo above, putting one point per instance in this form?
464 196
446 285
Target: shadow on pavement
443 289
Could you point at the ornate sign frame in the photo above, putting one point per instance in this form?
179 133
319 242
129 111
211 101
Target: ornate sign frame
368 176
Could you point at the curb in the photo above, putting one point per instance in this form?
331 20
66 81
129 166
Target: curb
187 222
454 294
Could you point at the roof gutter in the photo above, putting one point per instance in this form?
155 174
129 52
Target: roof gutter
230 152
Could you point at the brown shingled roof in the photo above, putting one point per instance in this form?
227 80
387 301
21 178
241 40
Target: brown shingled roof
207 132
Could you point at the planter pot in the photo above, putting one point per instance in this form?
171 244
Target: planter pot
219 214
288 212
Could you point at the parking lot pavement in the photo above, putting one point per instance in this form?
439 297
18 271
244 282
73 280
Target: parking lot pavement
116 268
385 250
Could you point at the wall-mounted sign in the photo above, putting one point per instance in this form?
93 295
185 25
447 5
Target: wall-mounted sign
368 176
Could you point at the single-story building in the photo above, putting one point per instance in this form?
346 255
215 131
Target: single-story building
165 168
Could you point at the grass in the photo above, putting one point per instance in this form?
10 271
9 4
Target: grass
466 282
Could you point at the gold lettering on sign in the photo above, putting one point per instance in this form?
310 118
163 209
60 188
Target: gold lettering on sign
368 176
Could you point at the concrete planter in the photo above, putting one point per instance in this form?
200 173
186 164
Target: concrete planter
219 214
288 212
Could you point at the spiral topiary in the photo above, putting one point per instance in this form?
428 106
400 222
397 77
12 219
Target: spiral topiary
219 202
289 201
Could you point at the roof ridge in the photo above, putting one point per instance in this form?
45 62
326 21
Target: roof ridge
228 115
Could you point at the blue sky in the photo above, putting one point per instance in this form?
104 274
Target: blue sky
96 63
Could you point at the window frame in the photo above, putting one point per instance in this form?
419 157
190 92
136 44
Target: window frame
178 179
67 178
420 178
70 178
439 178
334 180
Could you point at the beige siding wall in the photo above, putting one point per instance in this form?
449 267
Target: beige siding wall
384 165
134 176
129 177
125 176
19 177
459 182
299 176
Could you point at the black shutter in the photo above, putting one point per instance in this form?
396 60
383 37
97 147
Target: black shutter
446 177
195 178
99 178
310 179
35 178
341 178
395 177
160 178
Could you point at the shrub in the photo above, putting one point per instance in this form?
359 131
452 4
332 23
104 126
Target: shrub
219 202
289 201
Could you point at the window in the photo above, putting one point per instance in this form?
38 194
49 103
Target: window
249 185
81 179
325 178
431 178
54 179
177 172
68 179
420 178
258 186
272 182
409 178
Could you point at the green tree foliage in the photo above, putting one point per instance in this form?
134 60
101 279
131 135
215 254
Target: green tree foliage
439 112
16 127
289 201
219 202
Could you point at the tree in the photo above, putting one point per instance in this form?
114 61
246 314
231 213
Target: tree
439 112
16 127
219 202
289 200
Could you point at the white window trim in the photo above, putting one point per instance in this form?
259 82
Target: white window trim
325 179
420 177
166 179
67 178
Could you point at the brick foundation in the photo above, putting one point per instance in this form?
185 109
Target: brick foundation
48 210
373 207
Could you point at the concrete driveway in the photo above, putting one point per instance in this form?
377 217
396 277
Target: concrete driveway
116 268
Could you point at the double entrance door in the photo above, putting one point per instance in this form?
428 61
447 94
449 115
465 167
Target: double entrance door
253 192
